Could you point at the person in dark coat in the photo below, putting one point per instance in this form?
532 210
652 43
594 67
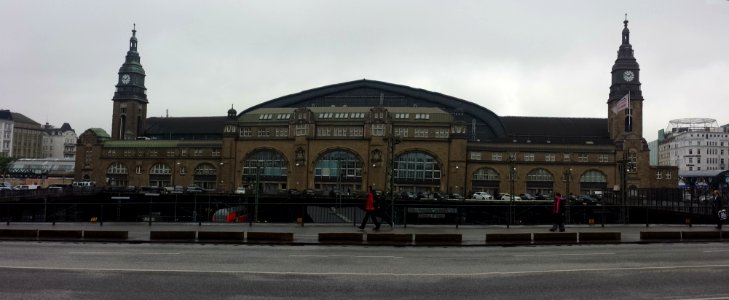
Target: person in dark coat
370 211
716 202
558 213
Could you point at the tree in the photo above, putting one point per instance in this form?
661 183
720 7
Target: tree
5 163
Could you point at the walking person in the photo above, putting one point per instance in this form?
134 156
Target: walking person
558 213
716 203
370 211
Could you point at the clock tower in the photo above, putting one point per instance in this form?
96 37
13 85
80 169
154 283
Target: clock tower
625 118
130 98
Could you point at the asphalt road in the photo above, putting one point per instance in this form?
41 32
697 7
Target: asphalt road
32 270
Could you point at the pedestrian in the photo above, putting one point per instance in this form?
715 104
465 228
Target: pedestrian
558 213
718 206
370 211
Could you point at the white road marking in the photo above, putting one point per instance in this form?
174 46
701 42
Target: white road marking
359 256
564 254
712 251
123 253
367 274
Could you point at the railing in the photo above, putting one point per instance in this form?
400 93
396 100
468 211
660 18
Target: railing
94 206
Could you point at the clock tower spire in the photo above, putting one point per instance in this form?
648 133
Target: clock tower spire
625 82
130 98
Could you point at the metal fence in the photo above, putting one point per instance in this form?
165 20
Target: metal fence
644 207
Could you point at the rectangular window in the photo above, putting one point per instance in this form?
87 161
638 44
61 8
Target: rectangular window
340 131
401 132
475 155
659 175
550 157
603 158
197 152
582 157
282 132
668 175
302 129
421 132
183 152
528 156
356 131
138 170
246 132
378 129
441 133
566 157
171 153
216 152
263 132
496 156
323 131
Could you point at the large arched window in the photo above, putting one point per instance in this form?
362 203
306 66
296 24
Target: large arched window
271 167
417 172
540 182
486 180
117 173
591 181
338 170
160 175
205 176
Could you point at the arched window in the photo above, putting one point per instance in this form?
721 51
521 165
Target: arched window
338 170
540 182
205 176
591 181
486 174
271 167
118 175
117 168
486 180
160 175
417 172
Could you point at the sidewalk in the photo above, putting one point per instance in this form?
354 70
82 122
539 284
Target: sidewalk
309 233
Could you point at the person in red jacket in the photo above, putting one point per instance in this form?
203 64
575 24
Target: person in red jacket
370 211
558 213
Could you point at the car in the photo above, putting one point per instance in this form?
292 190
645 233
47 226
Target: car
455 196
527 196
240 190
505 196
482 196
407 196
194 189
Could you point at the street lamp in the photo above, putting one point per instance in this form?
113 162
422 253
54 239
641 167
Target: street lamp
567 178
512 180
257 190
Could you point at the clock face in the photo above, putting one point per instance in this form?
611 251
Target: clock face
125 78
628 76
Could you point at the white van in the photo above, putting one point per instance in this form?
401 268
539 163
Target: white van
27 187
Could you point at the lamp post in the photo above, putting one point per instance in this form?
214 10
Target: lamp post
512 181
567 178
257 190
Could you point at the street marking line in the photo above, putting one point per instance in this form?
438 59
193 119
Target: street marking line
122 253
564 254
364 274
358 256
712 251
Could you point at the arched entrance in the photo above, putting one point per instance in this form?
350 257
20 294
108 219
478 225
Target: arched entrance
416 172
271 167
338 171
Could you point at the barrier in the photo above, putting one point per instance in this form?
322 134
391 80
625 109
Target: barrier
106 234
172 235
60 234
390 238
660 235
253 236
553 237
701 235
233 236
438 238
19 233
600 237
341 237
508 238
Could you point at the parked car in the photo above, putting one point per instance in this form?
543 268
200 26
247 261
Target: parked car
527 196
505 196
585 200
240 190
482 196
455 196
407 196
194 189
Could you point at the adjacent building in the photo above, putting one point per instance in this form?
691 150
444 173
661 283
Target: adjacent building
699 147
59 142
6 133
361 133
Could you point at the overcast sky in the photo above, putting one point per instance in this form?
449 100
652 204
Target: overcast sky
60 59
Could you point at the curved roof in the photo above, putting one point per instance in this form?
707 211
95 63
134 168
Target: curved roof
485 124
